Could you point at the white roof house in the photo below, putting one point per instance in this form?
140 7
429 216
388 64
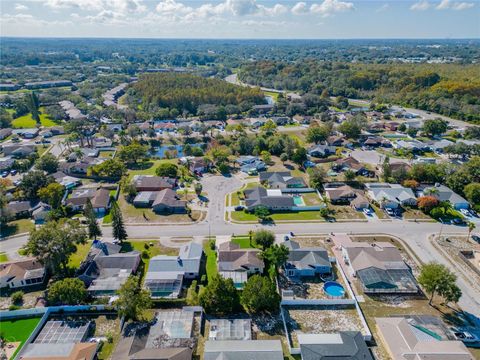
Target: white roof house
390 195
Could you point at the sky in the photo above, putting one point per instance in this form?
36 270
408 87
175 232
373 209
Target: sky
265 19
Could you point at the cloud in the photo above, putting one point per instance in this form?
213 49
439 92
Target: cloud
447 4
383 8
328 7
118 6
421 6
300 8
21 7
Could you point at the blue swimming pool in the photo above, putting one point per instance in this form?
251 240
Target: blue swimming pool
297 200
334 289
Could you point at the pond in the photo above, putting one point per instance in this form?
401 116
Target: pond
175 151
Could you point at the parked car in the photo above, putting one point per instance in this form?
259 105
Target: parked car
465 212
239 208
464 336
368 211
390 212
458 221
13 172
4 174
476 238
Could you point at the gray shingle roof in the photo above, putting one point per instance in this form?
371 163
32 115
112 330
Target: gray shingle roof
346 345
243 350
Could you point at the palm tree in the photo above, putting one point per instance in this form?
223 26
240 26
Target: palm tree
250 235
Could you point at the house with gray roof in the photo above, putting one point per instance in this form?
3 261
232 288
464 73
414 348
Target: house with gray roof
236 263
281 180
243 349
305 262
5 133
168 201
443 193
153 183
16 150
390 196
404 341
379 267
165 274
272 199
100 199
321 151
106 269
345 345
6 163
251 164
168 337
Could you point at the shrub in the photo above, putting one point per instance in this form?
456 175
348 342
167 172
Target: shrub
17 298
145 254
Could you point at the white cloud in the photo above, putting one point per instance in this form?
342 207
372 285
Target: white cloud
328 7
21 7
383 8
462 6
118 6
447 4
300 8
171 7
420 6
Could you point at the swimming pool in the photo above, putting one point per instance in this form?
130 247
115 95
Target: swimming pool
334 289
297 200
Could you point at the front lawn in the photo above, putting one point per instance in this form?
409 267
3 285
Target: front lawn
285 216
211 266
244 242
3 257
17 227
18 330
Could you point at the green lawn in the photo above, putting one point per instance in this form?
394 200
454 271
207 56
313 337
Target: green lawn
17 227
26 121
18 330
311 199
211 265
150 168
105 154
3 257
285 216
272 94
80 255
244 242
152 248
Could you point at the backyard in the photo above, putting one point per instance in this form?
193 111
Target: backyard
211 254
17 331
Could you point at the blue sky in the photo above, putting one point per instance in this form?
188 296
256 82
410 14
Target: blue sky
319 19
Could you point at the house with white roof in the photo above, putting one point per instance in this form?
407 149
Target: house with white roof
390 196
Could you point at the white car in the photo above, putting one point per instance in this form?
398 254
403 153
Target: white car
367 211
464 336
465 212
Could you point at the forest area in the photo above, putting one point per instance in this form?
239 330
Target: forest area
195 95
448 89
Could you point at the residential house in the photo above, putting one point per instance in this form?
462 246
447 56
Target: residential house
263 108
391 196
100 199
379 267
303 119
335 140
6 163
61 340
243 349
438 146
443 193
376 141
106 269
257 122
68 181
168 337
281 180
153 183
322 151
345 345
405 341
350 163
4 133
71 111
167 201
18 151
251 164
395 167
272 199
392 125
309 261
340 195
102 142
165 274
20 209
198 166
80 167
47 84
40 212
360 202
21 274
27 133
230 329
236 263
164 126
280 120
412 145
9 87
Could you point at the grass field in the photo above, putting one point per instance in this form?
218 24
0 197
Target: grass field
26 121
79 255
17 227
273 95
244 242
211 266
287 216
3 257
18 330
150 168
